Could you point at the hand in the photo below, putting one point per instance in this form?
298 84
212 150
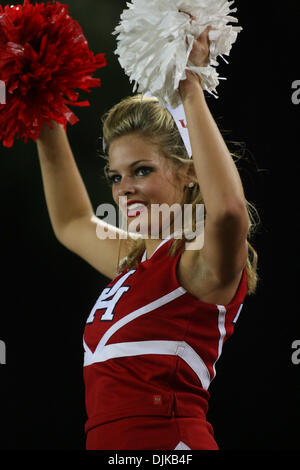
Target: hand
46 132
199 57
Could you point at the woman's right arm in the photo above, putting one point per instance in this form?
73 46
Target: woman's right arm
70 210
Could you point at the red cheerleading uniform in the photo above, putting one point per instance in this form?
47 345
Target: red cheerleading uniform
150 354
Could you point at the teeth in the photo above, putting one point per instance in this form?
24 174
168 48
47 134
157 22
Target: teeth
135 206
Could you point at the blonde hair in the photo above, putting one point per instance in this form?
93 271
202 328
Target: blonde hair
147 118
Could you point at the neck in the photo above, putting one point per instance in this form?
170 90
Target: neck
151 245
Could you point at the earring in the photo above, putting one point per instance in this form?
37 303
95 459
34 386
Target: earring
191 184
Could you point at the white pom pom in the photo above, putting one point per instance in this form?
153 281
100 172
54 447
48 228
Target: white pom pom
155 40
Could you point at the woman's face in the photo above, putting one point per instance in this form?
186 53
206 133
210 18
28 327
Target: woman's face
141 176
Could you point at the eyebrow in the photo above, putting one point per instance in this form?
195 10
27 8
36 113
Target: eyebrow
130 166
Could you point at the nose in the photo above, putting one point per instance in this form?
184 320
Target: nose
126 186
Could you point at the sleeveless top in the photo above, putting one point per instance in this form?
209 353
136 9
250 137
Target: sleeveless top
150 346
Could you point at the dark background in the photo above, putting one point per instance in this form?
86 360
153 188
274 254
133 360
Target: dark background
47 292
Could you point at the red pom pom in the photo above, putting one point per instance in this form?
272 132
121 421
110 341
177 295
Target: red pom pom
44 56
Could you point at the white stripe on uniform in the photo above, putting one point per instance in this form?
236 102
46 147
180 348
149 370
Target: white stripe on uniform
172 348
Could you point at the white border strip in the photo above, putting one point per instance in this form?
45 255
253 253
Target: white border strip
182 446
138 348
222 330
139 312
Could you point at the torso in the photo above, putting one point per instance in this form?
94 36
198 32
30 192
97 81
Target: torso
202 284
144 328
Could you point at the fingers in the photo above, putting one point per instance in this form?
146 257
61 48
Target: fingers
191 16
204 36
205 33
209 34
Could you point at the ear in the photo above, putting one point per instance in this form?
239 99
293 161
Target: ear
190 175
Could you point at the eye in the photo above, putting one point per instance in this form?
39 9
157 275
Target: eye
143 170
114 179
140 171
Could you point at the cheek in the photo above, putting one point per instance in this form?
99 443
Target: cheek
174 190
173 184
164 190
115 195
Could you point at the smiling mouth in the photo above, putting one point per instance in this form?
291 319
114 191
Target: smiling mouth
135 209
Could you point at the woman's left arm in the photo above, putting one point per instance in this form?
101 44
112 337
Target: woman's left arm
225 247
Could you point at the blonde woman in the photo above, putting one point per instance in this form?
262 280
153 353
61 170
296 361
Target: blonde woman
157 330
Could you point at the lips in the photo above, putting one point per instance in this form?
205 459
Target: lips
134 208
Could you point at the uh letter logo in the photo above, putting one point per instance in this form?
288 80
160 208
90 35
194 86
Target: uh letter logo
109 299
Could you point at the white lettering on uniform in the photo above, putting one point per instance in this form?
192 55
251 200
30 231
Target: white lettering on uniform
109 299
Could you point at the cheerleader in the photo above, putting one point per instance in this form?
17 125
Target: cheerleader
156 331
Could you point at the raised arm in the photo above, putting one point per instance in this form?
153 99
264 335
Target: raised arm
225 247
70 210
